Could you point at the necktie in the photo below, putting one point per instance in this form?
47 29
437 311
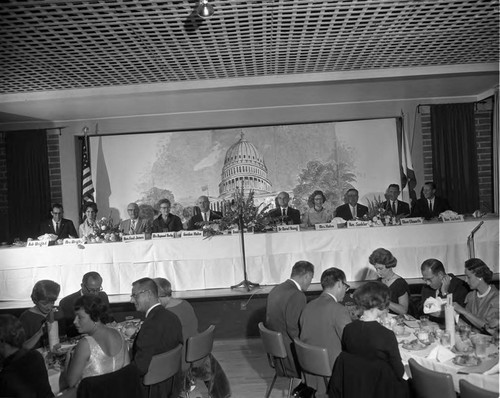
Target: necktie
132 227
283 212
204 216
430 205
57 228
354 212
393 208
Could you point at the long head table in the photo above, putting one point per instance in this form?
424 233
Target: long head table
196 263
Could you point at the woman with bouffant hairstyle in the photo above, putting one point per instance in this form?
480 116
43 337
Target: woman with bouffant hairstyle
23 373
44 295
384 263
481 304
317 214
103 350
369 351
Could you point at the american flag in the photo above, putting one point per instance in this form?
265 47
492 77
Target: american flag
87 186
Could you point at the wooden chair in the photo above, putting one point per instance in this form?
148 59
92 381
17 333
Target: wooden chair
199 347
428 383
313 360
276 353
469 390
163 366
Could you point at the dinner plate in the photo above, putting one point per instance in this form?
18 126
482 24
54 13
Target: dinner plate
406 333
466 360
414 345
63 348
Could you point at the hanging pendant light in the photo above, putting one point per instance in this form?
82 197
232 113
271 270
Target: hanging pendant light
204 9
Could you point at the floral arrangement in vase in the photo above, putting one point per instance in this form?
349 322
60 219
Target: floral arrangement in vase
378 214
254 218
104 231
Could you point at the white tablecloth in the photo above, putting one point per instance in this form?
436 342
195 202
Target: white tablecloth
196 263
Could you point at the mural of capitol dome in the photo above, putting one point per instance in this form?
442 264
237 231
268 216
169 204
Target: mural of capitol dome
243 166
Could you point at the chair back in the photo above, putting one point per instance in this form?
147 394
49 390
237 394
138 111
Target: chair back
428 383
313 359
163 366
273 342
199 346
122 383
469 390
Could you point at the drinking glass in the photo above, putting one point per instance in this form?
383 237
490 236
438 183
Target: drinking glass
464 331
446 339
480 345
424 320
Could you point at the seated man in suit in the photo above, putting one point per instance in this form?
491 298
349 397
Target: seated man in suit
393 204
285 303
290 216
91 284
135 224
166 221
323 320
439 284
160 332
430 206
351 210
57 225
205 214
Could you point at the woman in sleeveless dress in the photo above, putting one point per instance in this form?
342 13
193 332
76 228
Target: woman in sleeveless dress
103 349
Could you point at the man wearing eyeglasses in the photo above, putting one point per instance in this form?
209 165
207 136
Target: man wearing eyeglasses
57 225
160 332
91 284
323 320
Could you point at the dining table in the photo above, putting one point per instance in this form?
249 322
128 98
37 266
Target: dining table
481 371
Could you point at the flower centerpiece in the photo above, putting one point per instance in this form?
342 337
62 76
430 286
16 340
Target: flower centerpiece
104 231
378 214
240 209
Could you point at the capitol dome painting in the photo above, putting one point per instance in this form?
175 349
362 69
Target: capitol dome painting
244 166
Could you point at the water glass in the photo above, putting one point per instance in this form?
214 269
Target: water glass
480 345
424 320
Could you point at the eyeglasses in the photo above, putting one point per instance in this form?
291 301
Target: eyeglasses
347 287
135 295
93 290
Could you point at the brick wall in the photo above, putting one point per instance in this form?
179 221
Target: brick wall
54 167
484 138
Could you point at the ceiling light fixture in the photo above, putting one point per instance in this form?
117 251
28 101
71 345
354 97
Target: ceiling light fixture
204 10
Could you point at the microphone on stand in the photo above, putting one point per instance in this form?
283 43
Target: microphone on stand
470 240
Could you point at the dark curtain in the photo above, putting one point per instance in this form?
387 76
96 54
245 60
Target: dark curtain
28 182
454 155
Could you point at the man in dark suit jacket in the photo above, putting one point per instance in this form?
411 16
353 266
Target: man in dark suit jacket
202 213
160 332
57 225
323 320
290 216
91 284
430 206
166 221
352 209
134 225
395 206
285 303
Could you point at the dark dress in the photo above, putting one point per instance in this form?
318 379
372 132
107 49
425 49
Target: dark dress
370 351
172 224
24 375
397 289
32 322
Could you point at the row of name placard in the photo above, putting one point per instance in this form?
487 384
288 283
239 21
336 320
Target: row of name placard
280 229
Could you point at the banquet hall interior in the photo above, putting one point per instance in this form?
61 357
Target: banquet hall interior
94 70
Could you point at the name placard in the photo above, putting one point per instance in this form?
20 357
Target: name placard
37 243
192 234
412 221
288 228
358 224
236 231
130 238
324 227
162 235
73 241
457 218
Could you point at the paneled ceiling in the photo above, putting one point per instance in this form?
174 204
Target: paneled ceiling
54 45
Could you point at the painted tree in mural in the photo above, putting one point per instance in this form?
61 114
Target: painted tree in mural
151 198
333 178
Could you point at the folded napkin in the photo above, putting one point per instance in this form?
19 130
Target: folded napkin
448 213
338 220
433 304
440 354
49 237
